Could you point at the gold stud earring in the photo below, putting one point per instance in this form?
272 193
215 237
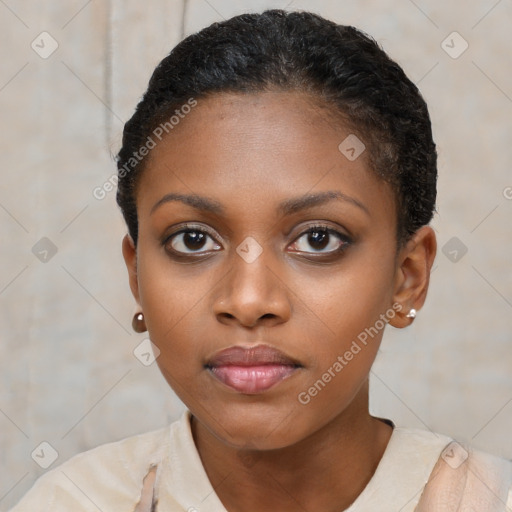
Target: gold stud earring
138 323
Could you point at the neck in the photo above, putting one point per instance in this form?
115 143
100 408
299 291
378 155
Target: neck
326 471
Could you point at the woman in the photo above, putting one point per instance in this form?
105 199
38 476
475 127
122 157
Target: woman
277 180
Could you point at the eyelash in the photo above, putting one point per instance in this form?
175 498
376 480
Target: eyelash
345 241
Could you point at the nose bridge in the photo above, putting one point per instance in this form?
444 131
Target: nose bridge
252 289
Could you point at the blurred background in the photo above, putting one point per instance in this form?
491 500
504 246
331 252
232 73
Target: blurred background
72 372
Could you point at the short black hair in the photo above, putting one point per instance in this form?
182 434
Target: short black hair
299 51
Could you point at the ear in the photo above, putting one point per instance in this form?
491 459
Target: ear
130 258
414 264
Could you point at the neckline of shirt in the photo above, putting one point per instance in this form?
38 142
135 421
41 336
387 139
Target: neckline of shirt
408 459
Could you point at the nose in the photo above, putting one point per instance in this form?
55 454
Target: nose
252 293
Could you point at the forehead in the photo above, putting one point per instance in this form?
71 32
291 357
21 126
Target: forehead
268 146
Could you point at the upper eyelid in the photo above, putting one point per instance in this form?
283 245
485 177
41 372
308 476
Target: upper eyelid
190 227
345 239
304 229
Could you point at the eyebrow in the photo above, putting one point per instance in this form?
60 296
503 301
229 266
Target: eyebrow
285 208
309 200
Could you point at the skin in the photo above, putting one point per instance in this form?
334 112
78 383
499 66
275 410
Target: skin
249 153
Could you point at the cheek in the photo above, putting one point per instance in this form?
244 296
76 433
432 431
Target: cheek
350 299
354 306
169 301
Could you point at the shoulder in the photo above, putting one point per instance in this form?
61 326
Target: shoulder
107 477
446 470
418 445
491 477
463 477
405 466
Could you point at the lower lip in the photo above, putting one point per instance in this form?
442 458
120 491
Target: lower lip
252 379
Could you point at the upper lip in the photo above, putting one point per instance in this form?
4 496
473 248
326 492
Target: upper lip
258 355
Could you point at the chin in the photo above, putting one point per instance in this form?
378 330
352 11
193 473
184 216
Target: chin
253 426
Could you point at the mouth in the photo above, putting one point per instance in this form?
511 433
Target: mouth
251 370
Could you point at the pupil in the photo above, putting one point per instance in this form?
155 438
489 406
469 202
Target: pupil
318 239
193 239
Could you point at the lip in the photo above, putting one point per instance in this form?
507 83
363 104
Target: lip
251 370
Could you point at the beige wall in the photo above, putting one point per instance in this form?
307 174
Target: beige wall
67 369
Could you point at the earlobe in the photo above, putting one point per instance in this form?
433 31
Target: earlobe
413 275
130 259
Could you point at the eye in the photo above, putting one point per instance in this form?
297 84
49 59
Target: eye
191 240
323 240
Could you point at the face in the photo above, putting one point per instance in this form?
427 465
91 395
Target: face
264 257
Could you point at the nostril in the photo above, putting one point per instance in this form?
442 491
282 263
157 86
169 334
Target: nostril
226 316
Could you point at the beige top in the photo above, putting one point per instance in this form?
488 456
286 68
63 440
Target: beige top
111 477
